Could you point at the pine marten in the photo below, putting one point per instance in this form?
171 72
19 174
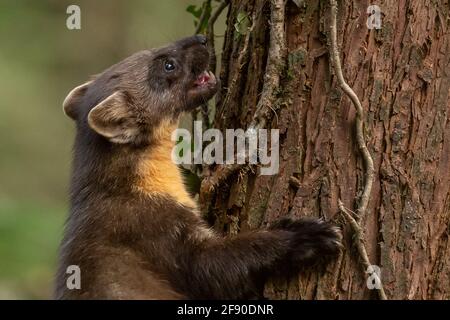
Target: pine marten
133 230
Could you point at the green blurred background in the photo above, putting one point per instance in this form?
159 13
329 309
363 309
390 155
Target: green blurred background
40 62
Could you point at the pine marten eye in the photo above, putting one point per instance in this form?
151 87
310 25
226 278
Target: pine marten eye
169 65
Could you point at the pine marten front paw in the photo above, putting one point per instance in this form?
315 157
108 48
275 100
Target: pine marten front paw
311 240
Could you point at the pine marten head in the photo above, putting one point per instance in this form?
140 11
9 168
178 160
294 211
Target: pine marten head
127 102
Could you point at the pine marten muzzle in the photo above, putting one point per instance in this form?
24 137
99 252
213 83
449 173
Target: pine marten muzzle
133 230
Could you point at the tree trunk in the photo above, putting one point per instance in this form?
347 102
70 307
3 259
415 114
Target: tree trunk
401 74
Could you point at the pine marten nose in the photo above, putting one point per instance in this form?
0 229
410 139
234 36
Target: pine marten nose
196 40
202 39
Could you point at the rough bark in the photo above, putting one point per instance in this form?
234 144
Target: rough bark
401 74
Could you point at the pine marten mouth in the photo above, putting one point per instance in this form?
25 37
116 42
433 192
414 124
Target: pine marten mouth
204 79
203 88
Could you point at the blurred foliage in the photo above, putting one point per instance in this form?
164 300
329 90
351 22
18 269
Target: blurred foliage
201 15
40 62
29 238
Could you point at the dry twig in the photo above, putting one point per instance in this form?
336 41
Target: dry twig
275 64
368 162
210 33
240 62
360 245
210 36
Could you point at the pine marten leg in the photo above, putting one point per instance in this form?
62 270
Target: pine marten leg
237 267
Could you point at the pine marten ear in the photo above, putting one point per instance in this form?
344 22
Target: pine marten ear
73 98
113 119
